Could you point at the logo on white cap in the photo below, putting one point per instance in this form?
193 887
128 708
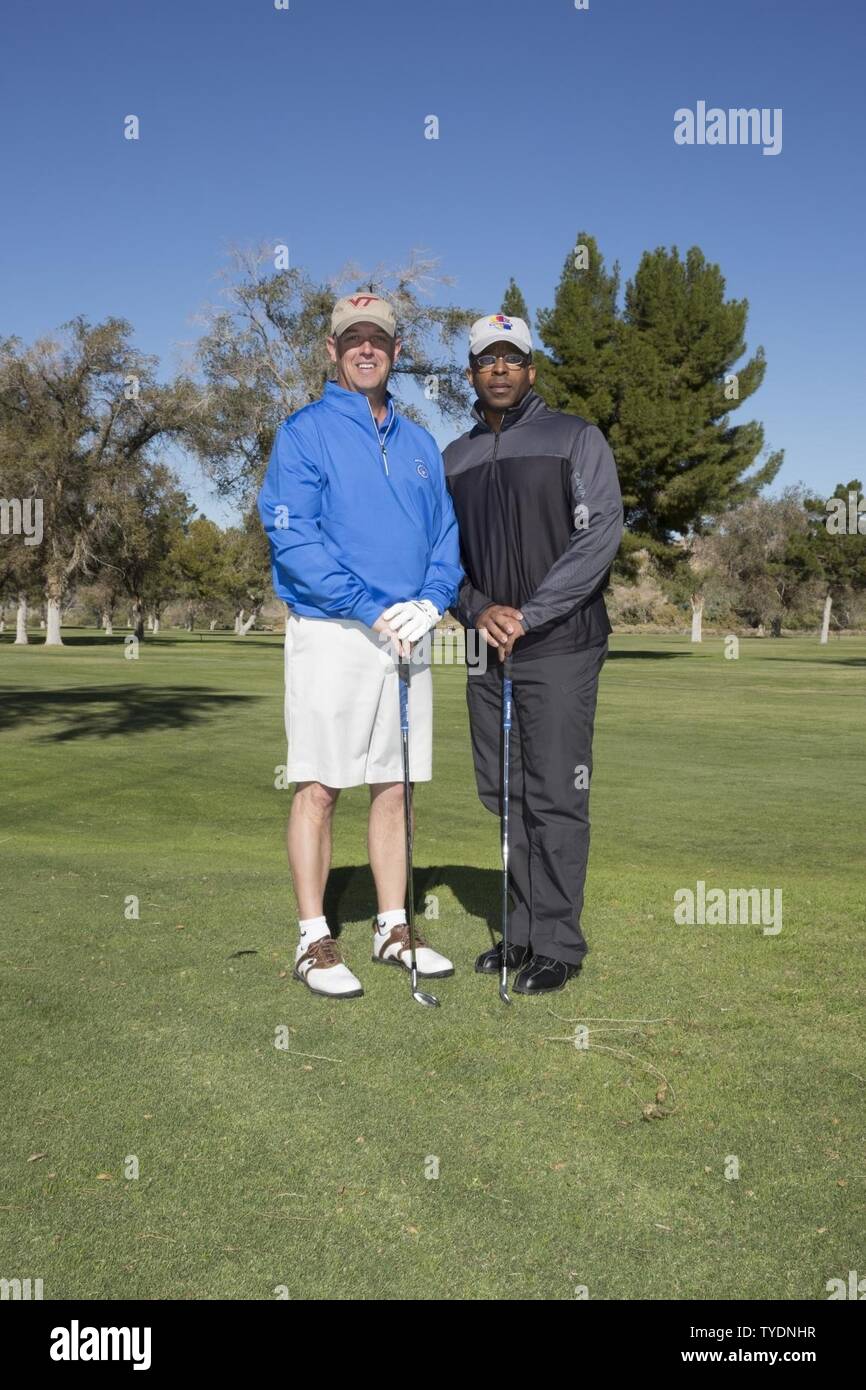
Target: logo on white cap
497 327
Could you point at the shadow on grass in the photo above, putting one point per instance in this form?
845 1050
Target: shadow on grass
226 639
100 711
350 895
616 655
180 639
818 660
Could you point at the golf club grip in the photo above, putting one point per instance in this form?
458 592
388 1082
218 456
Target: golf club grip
506 702
403 678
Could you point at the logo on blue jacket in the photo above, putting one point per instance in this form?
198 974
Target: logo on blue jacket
421 468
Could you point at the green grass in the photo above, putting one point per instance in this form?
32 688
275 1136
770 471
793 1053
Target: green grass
261 1167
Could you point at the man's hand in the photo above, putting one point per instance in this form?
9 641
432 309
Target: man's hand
382 625
501 626
412 619
508 647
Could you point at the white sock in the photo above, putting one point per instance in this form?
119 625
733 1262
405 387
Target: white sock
392 918
311 929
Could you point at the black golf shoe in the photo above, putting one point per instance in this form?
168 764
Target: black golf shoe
541 975
490 961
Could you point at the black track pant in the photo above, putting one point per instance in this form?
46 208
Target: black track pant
553 714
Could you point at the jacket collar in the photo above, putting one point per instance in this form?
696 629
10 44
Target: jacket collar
355 403
531 405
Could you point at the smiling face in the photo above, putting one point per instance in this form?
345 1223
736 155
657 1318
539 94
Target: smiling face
500 387
364 354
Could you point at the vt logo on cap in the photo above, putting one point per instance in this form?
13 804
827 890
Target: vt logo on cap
363 308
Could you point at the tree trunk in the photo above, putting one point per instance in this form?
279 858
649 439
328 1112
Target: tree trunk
155 621
239 617
106 625
250 622
137 617
825 625
150 622
776 627
53 596
697 617
213 623
21 621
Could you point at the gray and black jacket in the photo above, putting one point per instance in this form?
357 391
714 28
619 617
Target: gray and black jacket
540 514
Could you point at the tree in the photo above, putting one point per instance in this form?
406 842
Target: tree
148 514
198 562
764 553
682 463
85 408
579 371
840 551
264 357
21 579
247 570
513 303
658 380
21 554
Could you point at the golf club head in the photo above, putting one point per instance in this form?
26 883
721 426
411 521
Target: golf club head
419 995
503 989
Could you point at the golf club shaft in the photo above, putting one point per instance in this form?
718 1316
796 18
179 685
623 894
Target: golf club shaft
403 673
506 748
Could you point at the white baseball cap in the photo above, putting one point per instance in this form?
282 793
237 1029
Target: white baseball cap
495 328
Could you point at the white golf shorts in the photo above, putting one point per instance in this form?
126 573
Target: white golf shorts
342 706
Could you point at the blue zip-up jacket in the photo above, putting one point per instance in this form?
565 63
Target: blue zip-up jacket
358 518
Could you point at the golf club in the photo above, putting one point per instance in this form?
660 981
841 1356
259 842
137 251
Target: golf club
403 673
506 739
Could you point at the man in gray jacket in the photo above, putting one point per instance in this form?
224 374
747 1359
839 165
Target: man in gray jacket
540 513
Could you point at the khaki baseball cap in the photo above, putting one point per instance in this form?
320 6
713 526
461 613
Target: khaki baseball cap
363 308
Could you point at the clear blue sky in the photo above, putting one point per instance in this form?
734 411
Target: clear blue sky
306 126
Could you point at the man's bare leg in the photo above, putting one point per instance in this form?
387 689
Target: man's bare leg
308 841
318 961
386 844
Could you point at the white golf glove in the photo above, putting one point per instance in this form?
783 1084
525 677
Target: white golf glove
412 620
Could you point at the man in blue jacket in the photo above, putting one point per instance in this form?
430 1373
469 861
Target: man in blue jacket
365 552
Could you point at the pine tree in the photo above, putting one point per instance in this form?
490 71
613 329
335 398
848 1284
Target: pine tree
513 303
578 372
658 379
682 462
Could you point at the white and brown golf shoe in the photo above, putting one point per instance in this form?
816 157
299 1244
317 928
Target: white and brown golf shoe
393 948
323 971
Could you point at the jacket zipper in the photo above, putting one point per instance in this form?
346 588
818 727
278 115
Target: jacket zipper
496 436
380 441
